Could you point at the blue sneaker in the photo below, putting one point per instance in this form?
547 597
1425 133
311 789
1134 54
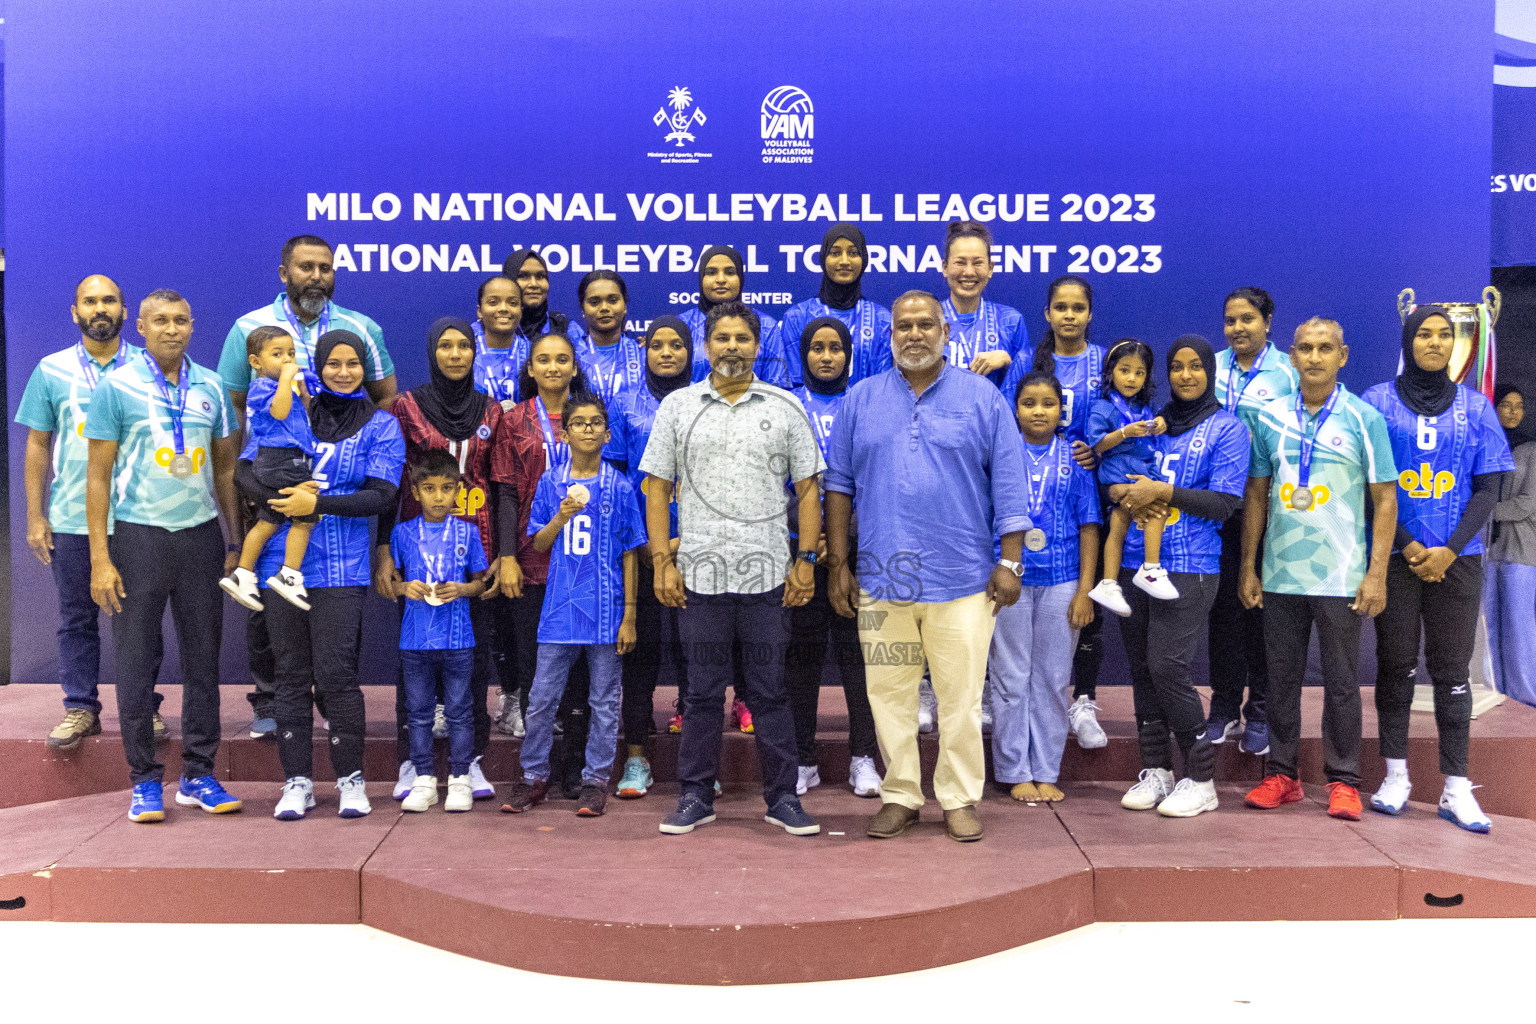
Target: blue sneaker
791 817
637 779
205 792
148 802
1219 730
690 814
1255 739
264 729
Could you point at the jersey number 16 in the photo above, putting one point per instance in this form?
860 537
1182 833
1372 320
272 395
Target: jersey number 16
578 535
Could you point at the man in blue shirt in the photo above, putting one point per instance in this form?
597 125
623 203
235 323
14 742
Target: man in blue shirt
163 441
933 459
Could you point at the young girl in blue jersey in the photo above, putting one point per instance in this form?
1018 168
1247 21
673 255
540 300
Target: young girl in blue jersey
1029 669
844 258
500 345
586 516
668 357
1118 428
984 336
614 361
1452 454
825 348
285 452
443 564
722 276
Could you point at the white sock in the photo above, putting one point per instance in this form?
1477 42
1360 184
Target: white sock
1458 784
1397 766
1147 566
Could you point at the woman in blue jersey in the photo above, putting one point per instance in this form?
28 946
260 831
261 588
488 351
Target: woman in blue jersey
824 350
984 337
500 345
1452 456
531 273
613 360
844 258
668 358
316 652
1029 670
1509 595
1203 459
722 274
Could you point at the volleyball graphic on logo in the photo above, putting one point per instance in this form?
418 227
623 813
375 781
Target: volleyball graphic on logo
786 114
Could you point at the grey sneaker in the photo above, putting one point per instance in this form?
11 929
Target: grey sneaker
354 797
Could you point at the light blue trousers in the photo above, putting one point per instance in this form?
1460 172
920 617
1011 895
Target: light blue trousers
1029 671
1509 607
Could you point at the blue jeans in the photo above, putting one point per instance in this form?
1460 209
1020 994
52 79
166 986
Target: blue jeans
1030 672
79 639
1509 607
424 672
605 698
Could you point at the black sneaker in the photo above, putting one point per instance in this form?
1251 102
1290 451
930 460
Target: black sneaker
592 800
525 795
691 812
791 817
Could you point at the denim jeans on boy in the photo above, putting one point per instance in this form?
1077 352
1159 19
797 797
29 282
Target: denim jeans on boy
423 672
606 697
79 639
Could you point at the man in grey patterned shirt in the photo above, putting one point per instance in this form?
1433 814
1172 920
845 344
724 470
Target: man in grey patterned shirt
731 443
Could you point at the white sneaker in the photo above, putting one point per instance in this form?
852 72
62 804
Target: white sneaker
927 706
1392 797
423 794
809 778
440 723
1458 805
863 777
509 715
406 781
241 585
354 798
478 783
298 797
1150 790
461 794
1108 593
986 709
289 585
1188 799
1153 580
1083 719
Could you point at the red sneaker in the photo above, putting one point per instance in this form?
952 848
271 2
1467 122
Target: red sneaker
1343 801
742 715
1274 791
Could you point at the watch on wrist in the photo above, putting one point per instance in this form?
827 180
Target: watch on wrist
806 556
1017 568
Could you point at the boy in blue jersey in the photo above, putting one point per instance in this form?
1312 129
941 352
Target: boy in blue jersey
585 514
443 562
285 448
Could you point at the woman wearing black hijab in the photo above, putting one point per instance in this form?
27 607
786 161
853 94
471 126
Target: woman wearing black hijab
1205 450
1450 448
531 273
447 413
722 275
1509 593
844 258
668 358
316 652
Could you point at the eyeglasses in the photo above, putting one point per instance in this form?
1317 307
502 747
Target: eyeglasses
586 425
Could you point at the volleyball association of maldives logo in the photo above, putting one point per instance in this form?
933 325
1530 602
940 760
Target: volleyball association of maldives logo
679 120
787 124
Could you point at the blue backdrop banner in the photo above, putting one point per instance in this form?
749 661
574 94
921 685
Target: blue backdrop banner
1166 156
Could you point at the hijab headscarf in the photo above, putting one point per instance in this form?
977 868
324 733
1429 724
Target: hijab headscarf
838 384
454 407
705 304
1526 431
1184 414
661 386
535 318
333 416
1426 393
842 296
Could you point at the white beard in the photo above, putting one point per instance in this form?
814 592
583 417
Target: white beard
918 365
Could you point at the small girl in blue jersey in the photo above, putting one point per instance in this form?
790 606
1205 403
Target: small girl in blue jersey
1119 426
285 450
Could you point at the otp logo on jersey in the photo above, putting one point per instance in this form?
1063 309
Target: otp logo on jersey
1320 496
470 501
1425 483
163 457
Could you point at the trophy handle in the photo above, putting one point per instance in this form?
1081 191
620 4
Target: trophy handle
1493 300
1405 303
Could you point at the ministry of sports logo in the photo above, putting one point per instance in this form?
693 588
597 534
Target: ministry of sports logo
681 122
787 125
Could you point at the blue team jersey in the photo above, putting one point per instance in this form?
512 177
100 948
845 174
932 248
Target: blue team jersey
630 427
584 599
1437 458
1062 499
1214 456
445 552
992 328
338 545
1133 456
868 323
611 370
772 363
267 431
1080 377
497 369
822 411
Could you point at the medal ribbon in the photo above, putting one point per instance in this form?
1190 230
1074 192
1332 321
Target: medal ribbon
88 365
173 409
1127 414
322 326
1235 393
1037 499
556 454
498 367
965 345
435 556
1309 440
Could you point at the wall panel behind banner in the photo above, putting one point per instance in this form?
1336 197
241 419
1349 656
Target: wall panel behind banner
1332 160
